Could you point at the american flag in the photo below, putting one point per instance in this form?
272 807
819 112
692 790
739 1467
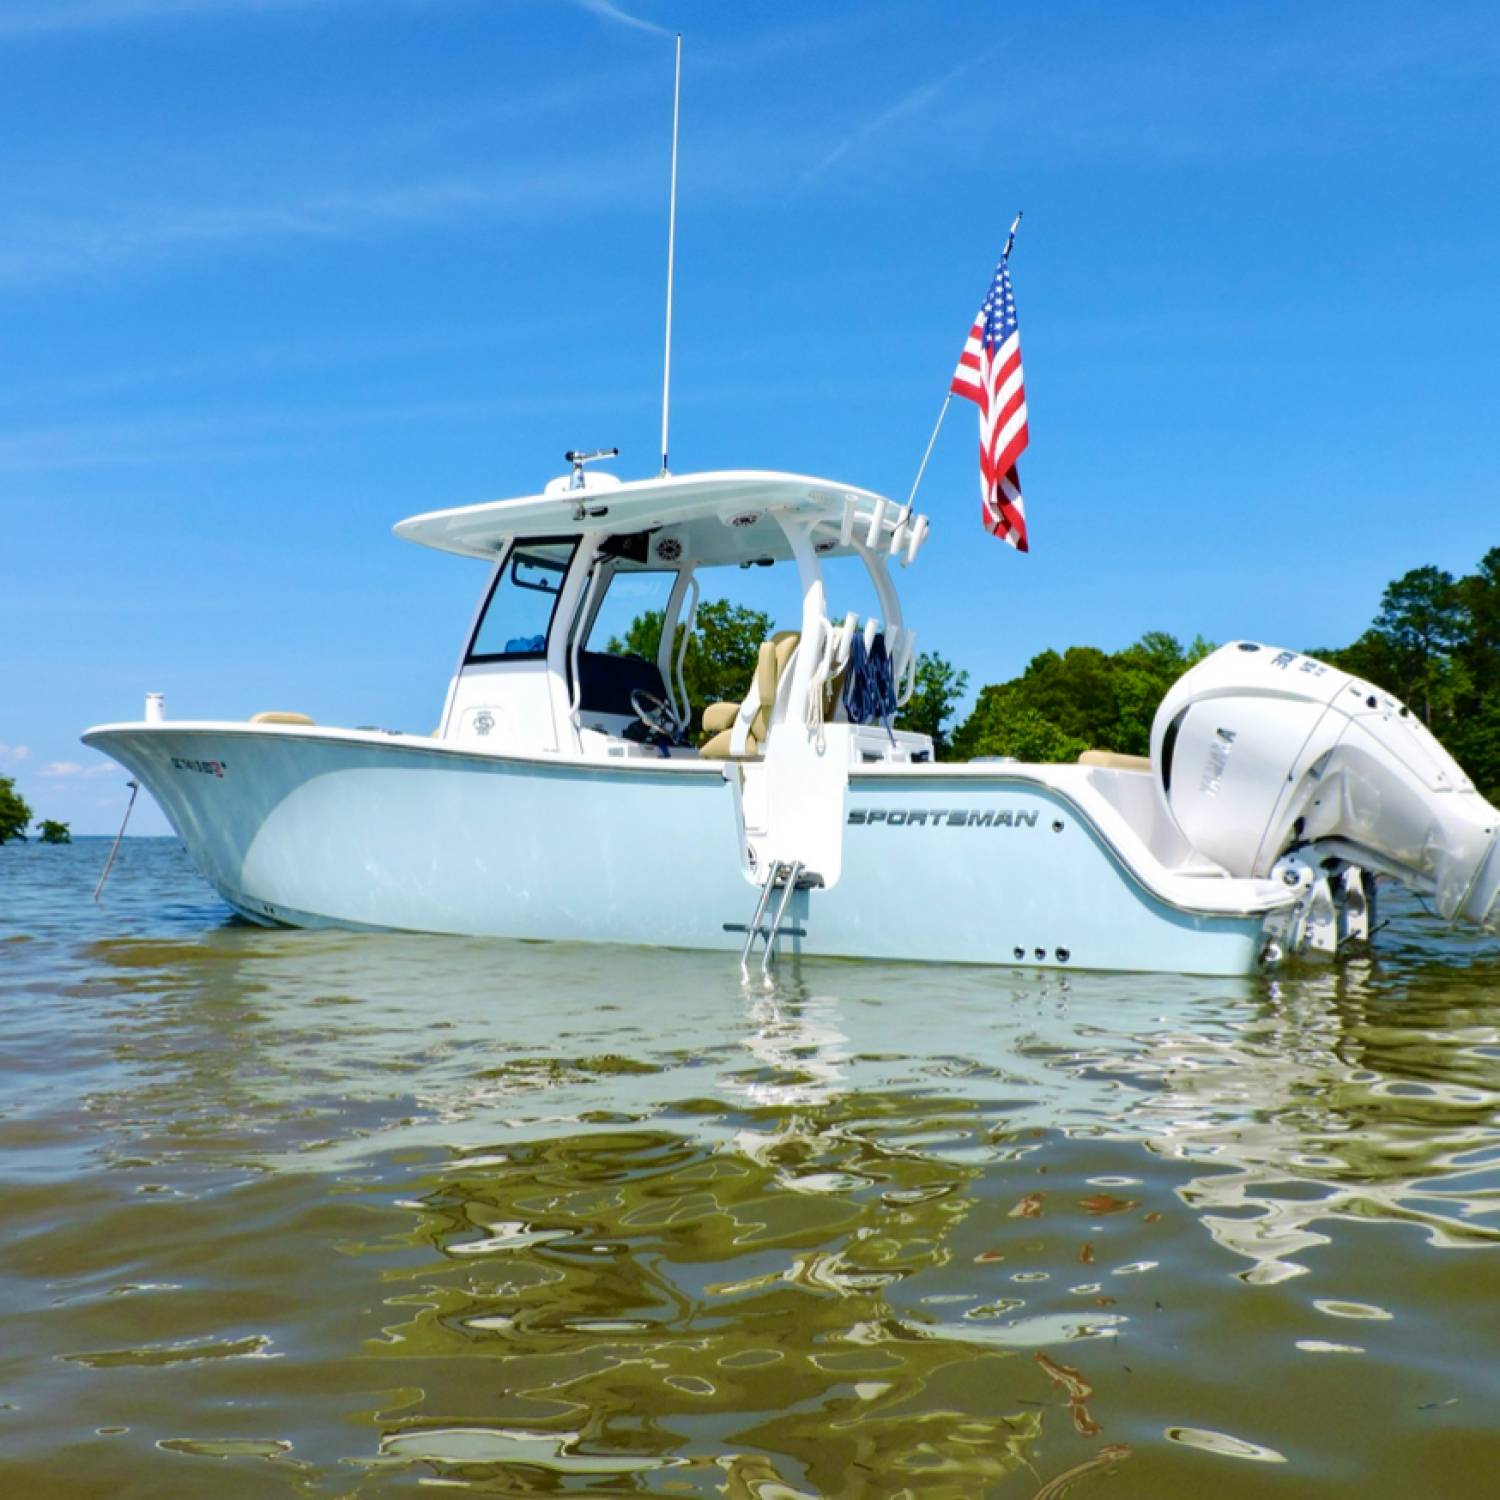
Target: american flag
989 374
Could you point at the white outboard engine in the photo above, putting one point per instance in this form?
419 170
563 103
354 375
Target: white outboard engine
1277 765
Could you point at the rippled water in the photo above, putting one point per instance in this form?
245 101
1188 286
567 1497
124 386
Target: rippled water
334 1214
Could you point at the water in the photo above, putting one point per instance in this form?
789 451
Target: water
324 1214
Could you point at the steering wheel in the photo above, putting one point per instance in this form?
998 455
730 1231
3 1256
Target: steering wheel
656 715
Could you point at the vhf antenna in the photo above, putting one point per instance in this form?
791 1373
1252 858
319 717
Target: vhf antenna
666 369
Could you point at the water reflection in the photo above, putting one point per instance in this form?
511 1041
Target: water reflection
1335 1102
542 1219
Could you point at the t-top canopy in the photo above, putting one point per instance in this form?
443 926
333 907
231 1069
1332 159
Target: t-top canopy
723 517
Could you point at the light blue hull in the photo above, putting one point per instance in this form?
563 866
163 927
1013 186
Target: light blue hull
964 865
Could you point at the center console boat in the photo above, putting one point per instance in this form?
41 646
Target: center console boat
559 797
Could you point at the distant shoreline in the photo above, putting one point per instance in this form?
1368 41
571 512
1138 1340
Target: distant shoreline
91 838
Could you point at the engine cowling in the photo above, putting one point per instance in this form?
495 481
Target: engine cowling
1260 753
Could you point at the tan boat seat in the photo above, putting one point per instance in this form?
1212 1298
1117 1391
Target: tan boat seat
720 719
1112 760
718 747
279 716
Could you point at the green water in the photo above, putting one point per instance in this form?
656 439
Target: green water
326 1214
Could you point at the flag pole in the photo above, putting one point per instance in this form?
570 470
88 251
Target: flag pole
666 368
922 467
1010 239
901 520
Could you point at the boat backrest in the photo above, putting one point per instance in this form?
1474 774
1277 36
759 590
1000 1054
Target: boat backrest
770 666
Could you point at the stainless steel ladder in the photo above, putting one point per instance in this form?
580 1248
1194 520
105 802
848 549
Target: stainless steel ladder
788 874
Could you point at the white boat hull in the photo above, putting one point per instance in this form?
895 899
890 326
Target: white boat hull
965 864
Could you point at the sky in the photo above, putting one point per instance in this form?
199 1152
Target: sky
275 274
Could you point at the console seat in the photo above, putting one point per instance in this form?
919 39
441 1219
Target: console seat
752 717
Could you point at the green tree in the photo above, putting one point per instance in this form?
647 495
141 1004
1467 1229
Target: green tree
721 654
1143 673
1074 691
1421 619
15 815
1474 743
1002 724
1479 648
939 686
1435 644
1474 735
54 833
1372 657
1082 699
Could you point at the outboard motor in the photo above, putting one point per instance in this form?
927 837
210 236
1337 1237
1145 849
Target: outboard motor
1277 765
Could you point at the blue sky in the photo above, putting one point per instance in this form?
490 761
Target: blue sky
277 273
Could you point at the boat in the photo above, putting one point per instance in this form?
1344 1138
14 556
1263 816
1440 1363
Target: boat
562 797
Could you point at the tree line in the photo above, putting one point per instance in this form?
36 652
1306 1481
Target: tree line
15 818
1434 643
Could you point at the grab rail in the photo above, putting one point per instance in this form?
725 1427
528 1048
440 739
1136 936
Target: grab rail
906 669
580 622
678 686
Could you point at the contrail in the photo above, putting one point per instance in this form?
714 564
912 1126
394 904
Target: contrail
910 103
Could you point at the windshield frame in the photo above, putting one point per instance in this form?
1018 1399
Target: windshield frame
505 576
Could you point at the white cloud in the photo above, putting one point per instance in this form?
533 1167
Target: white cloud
80 15
37 249
67 770
14 752
174 437
613 12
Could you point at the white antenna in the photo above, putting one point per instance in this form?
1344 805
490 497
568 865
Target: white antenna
666 369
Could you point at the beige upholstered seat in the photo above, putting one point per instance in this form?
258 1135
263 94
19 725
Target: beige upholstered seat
279 716
718 747
719 719
1112 760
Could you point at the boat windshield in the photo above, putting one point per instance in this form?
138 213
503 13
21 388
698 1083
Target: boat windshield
628 621
518 614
